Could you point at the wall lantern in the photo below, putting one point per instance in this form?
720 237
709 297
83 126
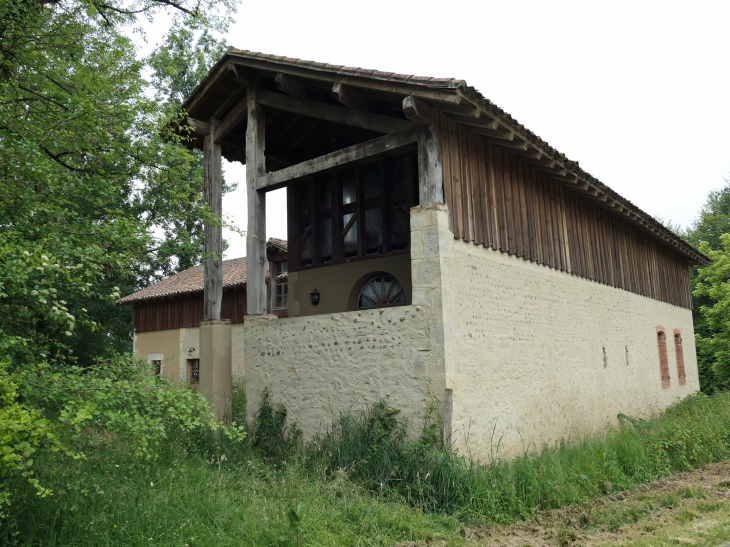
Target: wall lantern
314 297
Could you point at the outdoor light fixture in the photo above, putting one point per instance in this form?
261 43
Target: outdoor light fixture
314 297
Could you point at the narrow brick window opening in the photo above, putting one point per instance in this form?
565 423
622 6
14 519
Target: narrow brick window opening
627 355
663 358
679 353
605 358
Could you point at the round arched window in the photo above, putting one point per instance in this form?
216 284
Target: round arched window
381 291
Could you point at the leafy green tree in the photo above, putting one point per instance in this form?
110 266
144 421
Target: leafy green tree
96 193
708 228
713 285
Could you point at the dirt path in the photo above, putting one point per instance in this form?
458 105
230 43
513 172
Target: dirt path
692 508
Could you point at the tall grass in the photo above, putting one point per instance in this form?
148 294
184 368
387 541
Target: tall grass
363 483
373 449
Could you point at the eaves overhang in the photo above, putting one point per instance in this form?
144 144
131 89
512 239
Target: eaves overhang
464 104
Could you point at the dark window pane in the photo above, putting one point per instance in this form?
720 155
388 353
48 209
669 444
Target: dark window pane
349 186
396 174
325 196
350 240
306 249
373 229
399 226
304 198
324 233
371 177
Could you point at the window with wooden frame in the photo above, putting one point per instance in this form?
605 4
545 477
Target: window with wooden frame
157 367
194 371
353 213
679 354
663 357
281 285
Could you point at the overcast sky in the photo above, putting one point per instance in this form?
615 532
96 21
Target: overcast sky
636 91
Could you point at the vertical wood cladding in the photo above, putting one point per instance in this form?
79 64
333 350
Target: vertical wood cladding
498 200
185 311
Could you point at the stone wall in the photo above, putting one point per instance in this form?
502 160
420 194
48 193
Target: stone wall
321 365
540 355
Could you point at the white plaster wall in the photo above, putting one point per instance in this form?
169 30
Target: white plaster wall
528 361
238 357
320 365
187 346
189 349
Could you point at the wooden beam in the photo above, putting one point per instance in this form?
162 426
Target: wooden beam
498 136
445 95
348 96
256 236
370 150
213 230
231 121
199 128
419 112
336 114
291 86
486 123
430 165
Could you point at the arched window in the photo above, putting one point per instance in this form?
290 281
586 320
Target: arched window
663 357
679 354
381 291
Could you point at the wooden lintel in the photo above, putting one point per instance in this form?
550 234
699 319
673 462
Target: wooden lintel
419 112
199 128
336 114
232 120
348 96
291 86
370 150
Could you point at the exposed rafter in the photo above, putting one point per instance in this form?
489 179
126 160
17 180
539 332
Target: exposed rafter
419 112
291 86
336 114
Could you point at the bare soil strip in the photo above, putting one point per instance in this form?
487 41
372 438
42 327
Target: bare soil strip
691 508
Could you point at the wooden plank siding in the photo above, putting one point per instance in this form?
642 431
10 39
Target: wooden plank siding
185 311
498 200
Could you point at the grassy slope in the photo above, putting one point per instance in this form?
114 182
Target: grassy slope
204 493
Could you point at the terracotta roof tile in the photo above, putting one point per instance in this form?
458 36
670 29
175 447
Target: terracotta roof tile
191 280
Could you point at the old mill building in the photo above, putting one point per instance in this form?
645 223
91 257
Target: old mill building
438 253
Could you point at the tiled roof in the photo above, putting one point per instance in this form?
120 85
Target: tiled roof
191 280
471 94
428 81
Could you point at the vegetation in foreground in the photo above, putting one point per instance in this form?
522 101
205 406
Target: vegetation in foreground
363 483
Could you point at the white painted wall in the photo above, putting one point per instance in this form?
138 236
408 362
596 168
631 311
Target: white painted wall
528 364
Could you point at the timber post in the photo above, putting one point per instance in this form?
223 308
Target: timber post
256 236
215 333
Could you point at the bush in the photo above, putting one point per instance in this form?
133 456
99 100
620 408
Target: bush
72 410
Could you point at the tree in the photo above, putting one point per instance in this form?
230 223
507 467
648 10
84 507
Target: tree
95 192
706 233
713 285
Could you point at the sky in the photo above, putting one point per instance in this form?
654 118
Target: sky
638 92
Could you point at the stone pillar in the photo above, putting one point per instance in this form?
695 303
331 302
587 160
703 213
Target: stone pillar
215 366
432 244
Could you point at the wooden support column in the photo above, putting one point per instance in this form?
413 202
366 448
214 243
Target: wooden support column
430 165
256 236
213 230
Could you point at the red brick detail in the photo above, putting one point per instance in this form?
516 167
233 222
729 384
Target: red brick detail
663 357
679 353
